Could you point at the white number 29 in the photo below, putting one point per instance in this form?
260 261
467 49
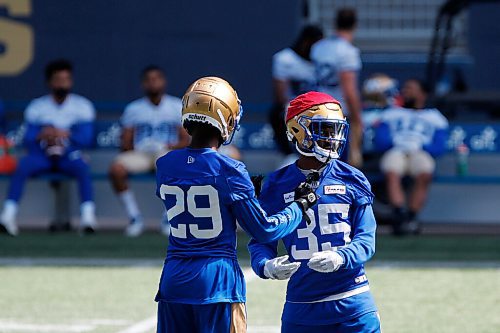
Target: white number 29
325 228
213 211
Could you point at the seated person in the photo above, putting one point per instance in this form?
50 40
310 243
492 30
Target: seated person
58 126
151 128
411 137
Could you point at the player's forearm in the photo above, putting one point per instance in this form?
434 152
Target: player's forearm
362 247
82 135
438 145
263 228
31 136
260 254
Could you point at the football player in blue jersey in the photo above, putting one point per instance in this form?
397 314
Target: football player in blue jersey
328 290
202 288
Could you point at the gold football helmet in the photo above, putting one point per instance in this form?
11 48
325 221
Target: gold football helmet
213 101
316 124
379 91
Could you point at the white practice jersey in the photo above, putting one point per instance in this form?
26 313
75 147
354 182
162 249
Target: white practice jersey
45 111
155 126
289 66
332 56
412 129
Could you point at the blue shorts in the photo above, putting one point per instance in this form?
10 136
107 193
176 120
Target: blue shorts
367 323
201 318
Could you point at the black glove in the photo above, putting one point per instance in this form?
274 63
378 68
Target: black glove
257 184
306 198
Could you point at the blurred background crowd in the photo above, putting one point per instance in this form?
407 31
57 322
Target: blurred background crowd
417 80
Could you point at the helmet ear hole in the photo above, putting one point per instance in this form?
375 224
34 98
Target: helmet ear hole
295 129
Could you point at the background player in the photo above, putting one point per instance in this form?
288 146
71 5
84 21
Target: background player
337 64
202 288
411 138
328 290
58 126
293 74
151 128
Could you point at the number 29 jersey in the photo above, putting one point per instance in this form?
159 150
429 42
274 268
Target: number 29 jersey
344 193
197 187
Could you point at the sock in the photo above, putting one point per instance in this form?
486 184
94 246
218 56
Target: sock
412 215
9 212
87 211
128 199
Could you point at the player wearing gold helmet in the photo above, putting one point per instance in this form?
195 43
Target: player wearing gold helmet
202 288
328 290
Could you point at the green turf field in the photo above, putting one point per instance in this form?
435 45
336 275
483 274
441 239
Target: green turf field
428 284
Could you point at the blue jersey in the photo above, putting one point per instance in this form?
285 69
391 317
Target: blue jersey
342 221
204 194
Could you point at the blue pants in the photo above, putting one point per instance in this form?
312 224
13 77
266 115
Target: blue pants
202 318
367 323
70 164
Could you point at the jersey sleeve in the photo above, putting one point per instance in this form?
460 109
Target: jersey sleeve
362 246
281 67
349 59
31 114
260 253
360 188
177 106
127 120
263 228
87 111
238 181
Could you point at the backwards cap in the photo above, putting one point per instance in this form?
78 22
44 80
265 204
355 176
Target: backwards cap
306 101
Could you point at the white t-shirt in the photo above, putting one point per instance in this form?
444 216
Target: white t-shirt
155 126
413 129
46 112
289 66
332 56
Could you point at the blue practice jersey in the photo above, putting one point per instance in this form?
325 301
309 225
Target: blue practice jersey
205 193
342 221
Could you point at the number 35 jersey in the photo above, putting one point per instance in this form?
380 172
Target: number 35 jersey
341 221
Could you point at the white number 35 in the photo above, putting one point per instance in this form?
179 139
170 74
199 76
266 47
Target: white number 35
213 211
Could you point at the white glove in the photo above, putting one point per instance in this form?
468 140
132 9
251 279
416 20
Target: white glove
280 268
325 261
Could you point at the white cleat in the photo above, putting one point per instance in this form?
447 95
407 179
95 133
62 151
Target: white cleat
87 226
9 227
135 228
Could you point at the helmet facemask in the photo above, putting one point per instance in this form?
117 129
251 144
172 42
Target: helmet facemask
325 139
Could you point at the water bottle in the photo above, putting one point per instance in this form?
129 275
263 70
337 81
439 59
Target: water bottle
462 153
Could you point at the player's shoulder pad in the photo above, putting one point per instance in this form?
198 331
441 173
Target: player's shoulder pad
355 181
284 55
276 178
436 117
237 178
33 110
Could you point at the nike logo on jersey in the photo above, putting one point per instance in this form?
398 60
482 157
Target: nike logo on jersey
334 189
190 160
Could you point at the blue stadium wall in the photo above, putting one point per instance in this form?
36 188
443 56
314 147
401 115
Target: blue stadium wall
111 41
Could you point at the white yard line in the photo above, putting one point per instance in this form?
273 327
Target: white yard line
149 323
142 326
28 262
10 326
264 329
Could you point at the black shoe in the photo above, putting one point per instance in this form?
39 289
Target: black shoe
87 230
399 222
60 226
